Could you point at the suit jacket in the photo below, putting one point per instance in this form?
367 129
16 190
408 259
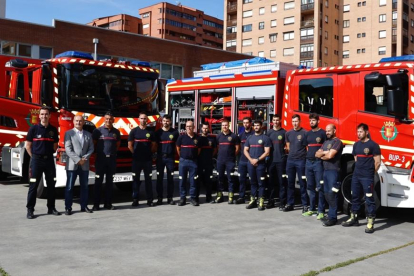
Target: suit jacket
75 151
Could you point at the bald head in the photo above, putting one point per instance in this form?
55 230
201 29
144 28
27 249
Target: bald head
330 131
78 122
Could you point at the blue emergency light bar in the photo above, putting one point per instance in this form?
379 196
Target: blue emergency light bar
74 54
141 63
400 58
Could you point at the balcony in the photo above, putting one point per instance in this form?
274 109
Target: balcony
306 39
232 8
307 23
306 55
394 39
307 8
405 41
231 22
394 22
394 6
231 49
231 36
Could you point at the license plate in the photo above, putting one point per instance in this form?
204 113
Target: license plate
122 178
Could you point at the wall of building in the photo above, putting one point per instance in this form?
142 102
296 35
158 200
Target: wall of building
2 8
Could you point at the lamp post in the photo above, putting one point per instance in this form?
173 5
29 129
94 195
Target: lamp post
95 42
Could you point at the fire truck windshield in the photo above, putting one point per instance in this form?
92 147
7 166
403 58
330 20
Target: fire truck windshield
96 90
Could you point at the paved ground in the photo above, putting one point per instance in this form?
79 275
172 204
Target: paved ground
210 239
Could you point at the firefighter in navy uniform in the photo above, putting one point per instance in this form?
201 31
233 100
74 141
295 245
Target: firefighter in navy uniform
314 168
141 143
208 146
107 140
165 139
367 156
228 148
256 149
277 166
242 166
41 143
188 149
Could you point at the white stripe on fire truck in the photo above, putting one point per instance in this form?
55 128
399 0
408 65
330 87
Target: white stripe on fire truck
132 121
13 132
7 144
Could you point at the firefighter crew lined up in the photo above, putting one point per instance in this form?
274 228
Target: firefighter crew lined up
289 154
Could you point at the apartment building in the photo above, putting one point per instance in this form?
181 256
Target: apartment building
318 33
119 22
180 23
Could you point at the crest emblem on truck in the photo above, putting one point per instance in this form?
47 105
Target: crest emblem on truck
32 117
389 131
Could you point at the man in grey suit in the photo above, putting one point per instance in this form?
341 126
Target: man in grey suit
79 147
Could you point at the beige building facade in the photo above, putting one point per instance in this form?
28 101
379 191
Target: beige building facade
318 33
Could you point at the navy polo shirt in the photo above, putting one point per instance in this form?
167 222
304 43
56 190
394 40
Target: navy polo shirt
278 138
188 146
365 152
43 139
243 137
257 145
207 145
142 139
314 140
227 147
106 140
334 163
297 144
166 142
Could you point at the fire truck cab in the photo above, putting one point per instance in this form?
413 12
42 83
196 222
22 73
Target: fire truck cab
380 95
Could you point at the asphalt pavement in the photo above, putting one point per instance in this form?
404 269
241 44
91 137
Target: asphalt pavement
211 239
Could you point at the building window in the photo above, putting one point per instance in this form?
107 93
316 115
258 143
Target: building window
382 2
289 5
247 13
326 35
346 8
363 50
145 15
272 37
272 53
288 35
261 40
358 51
230 43
247 42
247 28
382 50
326 3
232 29
145 26
25 50
273 23
412 38
248 53
346 23
308 63
45 53
382 34
345 39
326 50
273 8
412 23
288 51
261 11
306 50
359 35
382 18
363 34
326 19
261 25
364 19
289 20
261 54
247 1
306 34
345 54
8 48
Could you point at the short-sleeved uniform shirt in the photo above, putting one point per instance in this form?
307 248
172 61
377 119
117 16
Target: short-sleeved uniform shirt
43 139
334 163
278 138
227 147
243 137
188 146
166 142
314 140
142 139
297 144
257 145
107 140
207 145
365 152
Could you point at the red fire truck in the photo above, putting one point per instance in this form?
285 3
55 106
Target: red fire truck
379 94
72 84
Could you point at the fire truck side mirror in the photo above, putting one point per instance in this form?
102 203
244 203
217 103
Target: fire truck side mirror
46 85
396 103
